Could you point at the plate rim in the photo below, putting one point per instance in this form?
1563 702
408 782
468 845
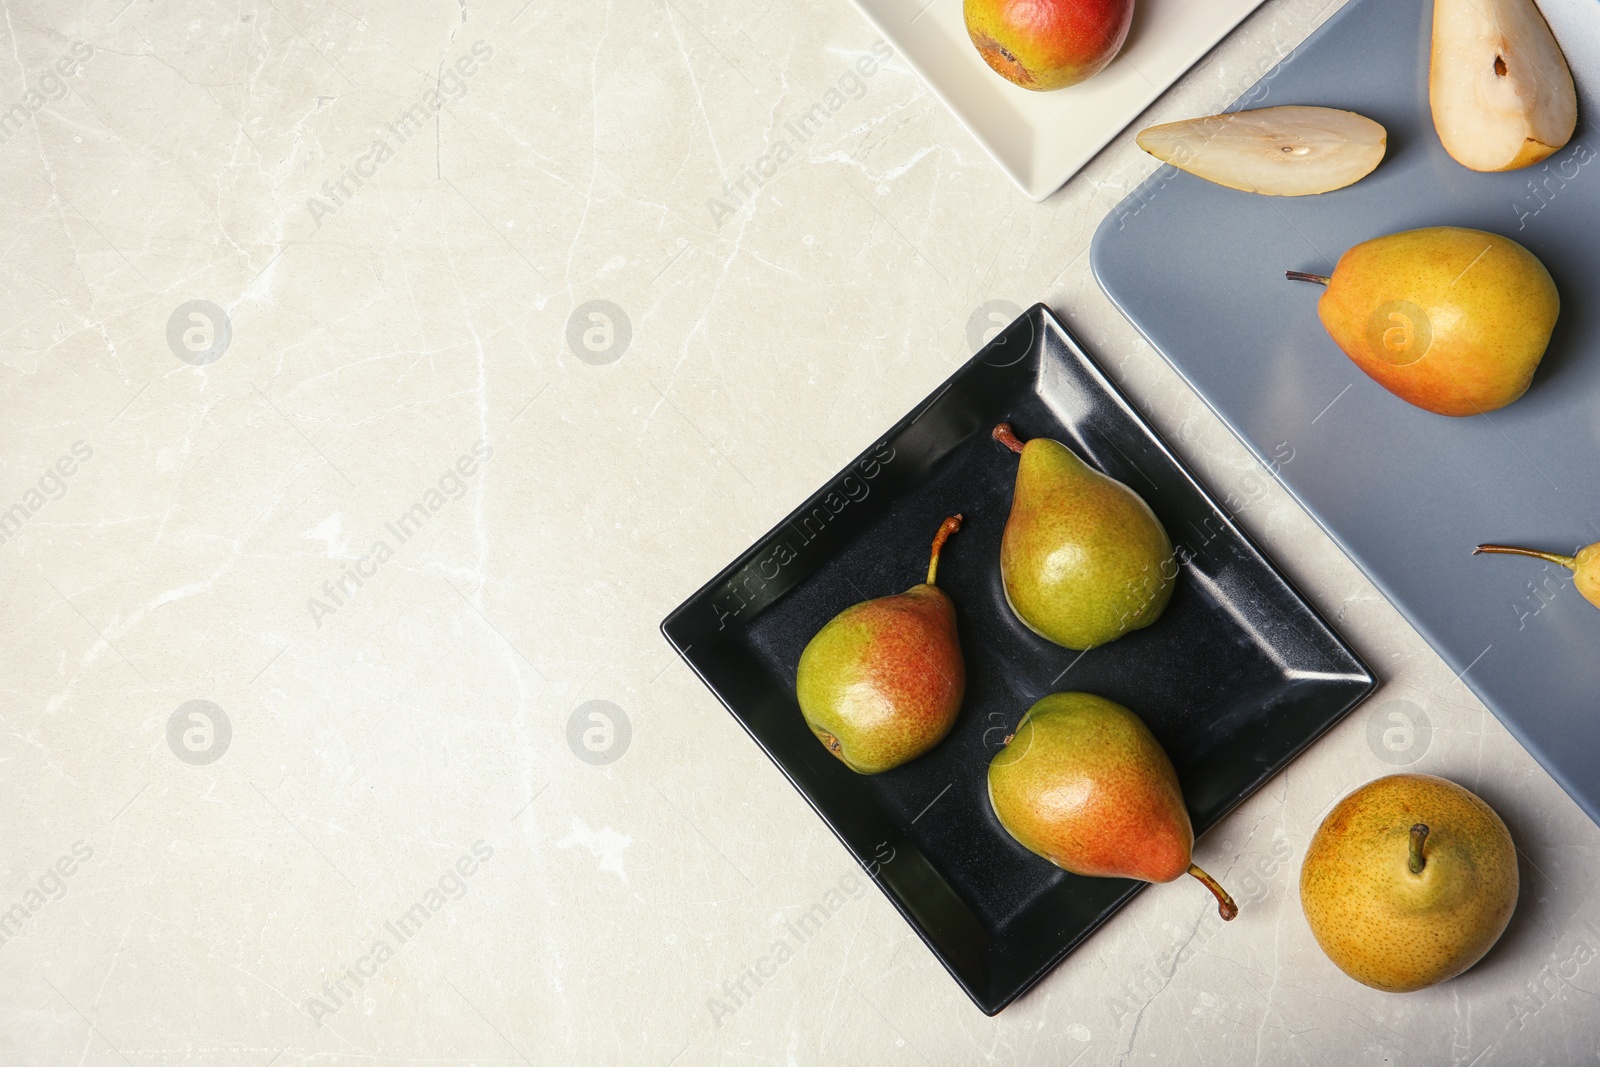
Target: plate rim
1362 681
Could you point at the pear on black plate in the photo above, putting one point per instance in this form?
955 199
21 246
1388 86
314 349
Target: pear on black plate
1083 558
882 682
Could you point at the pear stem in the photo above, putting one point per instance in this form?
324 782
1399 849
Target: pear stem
1302 276
1419 834
1225 905
1550 557
946 528
1003 434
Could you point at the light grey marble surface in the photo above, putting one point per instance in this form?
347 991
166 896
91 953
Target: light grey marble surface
411 843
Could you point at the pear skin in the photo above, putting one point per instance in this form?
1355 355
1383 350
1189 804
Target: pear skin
1585 566
1452 320
1408 882
1083 559
1047 44
1085 784
882 682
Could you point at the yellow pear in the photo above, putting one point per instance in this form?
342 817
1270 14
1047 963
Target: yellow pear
1409 881
1501 93
1452 320
1585 566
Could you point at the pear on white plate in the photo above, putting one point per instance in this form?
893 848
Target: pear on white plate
1278 151
1501 93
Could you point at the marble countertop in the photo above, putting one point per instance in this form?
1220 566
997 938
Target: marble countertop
374 386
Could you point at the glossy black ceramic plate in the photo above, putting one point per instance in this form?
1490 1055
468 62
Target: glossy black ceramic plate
1237 677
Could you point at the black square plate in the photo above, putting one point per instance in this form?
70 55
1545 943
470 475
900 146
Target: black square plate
1237 677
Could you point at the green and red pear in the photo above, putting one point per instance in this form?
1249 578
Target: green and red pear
1083 559
1048 44
882 682
1085 784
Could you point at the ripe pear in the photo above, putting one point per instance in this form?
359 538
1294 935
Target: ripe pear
1083 559
882 682
1500 90
1085 784
1409 881
1047 44
1452 320
1275 151
1585 566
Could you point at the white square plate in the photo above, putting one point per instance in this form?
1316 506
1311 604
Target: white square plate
1041 139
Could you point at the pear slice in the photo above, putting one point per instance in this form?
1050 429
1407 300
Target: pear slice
1277 151
1501 93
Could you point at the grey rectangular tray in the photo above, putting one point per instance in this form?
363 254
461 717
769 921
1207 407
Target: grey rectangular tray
1407 494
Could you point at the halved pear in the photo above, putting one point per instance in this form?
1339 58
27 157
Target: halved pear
1277 151
1501 93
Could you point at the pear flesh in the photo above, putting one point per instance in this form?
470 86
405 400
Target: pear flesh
1501 93
1409 881
1276 151
1086 785
1083 559
882 682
